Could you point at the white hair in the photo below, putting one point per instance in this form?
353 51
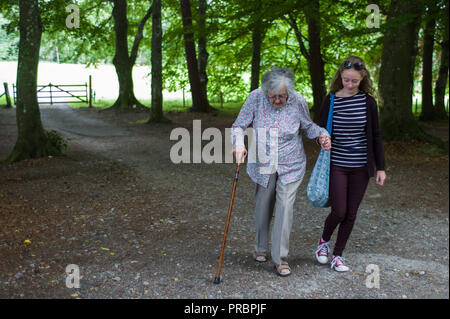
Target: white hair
274 79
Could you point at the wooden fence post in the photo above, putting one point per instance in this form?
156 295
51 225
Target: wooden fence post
51 98
8 99
14 93
90 90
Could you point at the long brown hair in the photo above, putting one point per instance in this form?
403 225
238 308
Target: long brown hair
366 83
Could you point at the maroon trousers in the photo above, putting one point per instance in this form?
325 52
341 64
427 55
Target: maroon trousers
347 188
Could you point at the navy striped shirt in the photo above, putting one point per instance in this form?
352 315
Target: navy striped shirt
349 144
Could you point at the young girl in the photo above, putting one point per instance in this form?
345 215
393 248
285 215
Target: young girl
356 151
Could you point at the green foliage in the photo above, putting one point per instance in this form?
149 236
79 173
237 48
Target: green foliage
55 143
88 44
229 26
9 42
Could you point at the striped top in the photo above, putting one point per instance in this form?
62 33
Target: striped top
349 144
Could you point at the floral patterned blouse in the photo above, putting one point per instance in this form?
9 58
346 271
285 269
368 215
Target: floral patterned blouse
275 143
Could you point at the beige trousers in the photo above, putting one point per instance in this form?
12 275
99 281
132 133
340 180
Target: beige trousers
278 200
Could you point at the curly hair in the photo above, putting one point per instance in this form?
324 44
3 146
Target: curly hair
366 83
277 77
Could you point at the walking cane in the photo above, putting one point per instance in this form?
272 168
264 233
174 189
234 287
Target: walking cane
217 279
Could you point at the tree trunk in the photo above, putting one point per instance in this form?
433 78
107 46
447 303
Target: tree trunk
441 82
256 57
397 72
428 111
199 101
31 141
202 52
156 111
122 61
316 65
313 54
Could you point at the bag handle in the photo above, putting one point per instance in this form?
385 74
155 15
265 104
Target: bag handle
330 114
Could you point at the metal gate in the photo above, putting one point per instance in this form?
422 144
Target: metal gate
62 93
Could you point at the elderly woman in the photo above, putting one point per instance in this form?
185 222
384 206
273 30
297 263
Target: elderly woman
277 113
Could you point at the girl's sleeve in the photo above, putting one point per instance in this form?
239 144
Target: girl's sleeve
377 139
324 109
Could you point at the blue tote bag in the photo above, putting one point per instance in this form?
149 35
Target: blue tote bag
319 182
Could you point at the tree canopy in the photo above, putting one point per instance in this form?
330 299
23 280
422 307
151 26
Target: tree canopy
234 42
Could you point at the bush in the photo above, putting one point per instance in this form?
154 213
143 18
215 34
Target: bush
56 144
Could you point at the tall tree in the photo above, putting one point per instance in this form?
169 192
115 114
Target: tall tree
31 141
258 28
202 52
428 110
123 60
441 82
313 53
397 70
156 111
397 73
257 39
315 62
199 100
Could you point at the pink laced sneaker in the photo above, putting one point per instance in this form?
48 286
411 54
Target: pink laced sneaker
337 263
322 252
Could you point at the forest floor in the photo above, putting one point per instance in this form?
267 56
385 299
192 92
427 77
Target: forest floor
139 226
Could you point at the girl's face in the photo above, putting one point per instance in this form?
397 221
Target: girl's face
351 79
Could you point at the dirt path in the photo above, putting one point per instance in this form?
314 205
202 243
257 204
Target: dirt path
139 226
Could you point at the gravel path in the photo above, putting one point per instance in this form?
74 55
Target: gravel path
164 223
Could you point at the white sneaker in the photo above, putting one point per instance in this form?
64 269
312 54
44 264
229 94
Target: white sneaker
322 253
337 263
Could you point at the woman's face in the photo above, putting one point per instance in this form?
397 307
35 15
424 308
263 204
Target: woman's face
351 79
278 98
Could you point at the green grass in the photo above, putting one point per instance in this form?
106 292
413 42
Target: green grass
98 104
417 110
430 150
229 108
3 101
